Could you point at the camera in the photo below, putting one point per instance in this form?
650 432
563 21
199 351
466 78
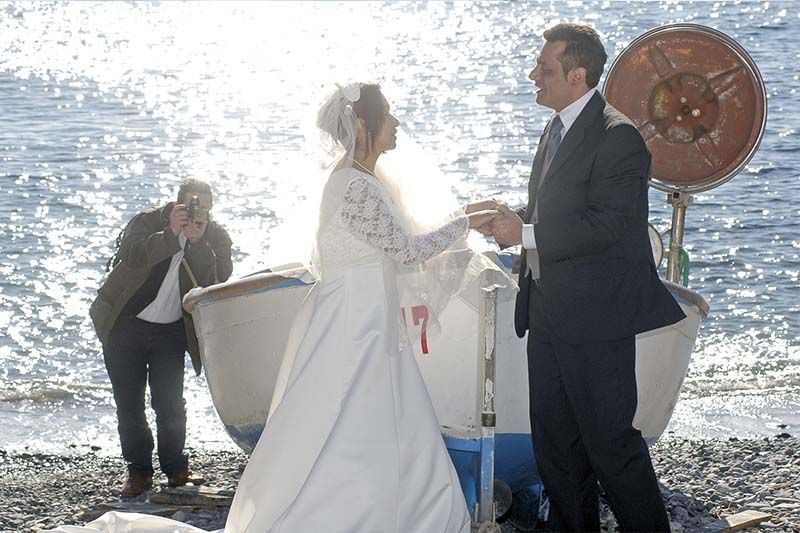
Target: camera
194 205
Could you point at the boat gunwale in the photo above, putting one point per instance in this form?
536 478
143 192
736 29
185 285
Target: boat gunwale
273 280
242 286
694 298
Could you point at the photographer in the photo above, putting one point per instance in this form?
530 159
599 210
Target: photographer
162 253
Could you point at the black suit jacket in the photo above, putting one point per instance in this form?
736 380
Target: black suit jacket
598 279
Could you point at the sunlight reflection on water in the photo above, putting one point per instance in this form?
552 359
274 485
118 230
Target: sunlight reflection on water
107 105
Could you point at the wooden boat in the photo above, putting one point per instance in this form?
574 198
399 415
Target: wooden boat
475 368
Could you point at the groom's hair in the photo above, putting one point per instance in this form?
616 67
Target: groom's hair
584 49
370 108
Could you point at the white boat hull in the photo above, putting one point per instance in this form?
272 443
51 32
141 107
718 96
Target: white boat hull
243 325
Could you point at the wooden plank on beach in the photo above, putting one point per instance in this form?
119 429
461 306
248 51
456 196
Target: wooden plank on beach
736 522
133 507
199 496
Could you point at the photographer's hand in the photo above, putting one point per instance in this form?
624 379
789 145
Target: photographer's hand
194 230
178 218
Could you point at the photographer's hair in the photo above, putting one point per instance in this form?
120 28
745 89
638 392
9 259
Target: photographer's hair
193 186
584 49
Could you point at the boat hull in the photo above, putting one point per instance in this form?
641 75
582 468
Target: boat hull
242 328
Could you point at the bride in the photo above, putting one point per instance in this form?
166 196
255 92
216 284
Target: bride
352 443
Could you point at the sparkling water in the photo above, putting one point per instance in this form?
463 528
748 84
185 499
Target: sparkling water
105 107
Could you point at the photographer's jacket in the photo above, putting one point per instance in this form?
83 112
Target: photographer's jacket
144 256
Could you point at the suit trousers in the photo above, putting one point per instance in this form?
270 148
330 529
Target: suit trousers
138 352
583 399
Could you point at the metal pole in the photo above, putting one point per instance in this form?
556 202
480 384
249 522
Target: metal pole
488 415
680 201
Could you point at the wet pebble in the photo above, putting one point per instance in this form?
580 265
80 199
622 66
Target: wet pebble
40 491
704 480
701 481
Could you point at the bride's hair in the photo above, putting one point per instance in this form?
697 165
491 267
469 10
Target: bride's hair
341 109
370 108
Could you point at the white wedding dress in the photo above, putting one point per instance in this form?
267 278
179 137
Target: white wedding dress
352 443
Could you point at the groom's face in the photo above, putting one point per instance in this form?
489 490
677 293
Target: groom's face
554 90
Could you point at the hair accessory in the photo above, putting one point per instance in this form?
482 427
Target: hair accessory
351 91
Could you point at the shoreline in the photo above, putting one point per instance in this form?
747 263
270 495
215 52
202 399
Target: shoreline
701 480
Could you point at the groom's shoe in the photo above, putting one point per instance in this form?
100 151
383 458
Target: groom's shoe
182 478
136 484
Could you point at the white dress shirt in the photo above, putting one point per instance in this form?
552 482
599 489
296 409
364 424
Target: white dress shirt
568 116
166 308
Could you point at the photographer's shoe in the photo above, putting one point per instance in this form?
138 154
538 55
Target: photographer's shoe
136 484
182 478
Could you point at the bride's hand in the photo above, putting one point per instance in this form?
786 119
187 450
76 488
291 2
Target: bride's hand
480 218
481 206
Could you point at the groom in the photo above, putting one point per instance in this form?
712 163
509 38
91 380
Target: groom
588 285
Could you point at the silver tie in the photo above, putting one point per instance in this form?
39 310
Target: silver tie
553 141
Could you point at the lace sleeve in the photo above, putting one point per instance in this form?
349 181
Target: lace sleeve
368 217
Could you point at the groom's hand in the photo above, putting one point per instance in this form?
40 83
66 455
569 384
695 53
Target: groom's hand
486 230
507 227
483 205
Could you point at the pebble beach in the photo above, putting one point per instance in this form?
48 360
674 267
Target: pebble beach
701 482
41 491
